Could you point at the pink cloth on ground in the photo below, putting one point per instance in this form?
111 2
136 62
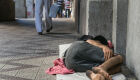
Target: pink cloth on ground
59 68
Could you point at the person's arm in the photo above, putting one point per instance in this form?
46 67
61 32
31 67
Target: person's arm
108 53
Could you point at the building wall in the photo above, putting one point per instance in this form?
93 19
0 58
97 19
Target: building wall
100 18
120 12
133 37
96 17
107 18
7 10
121 32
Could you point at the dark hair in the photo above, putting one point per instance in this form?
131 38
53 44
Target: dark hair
86 37
99 38
102 39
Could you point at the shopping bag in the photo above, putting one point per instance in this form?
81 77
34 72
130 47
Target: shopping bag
53 10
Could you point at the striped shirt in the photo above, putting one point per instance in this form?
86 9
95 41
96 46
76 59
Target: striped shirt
60 2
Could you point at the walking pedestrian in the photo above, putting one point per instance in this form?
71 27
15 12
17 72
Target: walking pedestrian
67 8
39 14
60 4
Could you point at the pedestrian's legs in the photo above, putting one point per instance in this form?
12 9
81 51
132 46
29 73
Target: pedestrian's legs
60 12
48 19
39 15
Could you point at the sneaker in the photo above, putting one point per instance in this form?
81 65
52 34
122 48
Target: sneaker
40 33
48 30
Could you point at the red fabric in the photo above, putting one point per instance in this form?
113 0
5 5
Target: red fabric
59 68
110 44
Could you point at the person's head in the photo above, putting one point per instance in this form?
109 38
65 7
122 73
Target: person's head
86 37
101 39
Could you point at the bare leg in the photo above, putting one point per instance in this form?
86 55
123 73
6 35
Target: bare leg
94 76
112 62
103 68
114 70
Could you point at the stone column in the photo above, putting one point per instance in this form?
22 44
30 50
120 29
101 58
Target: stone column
100 18
83 17
76 12
7 10
20 7
120 12
96 17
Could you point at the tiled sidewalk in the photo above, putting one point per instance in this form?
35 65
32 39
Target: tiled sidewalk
24 55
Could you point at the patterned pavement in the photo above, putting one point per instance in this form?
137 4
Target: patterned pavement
24 55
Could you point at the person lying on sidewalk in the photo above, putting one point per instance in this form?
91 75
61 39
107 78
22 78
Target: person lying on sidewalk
94 55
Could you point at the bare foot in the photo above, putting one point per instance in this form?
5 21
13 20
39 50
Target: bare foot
99 70
94 76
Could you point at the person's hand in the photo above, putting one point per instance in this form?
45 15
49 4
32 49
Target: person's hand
108 53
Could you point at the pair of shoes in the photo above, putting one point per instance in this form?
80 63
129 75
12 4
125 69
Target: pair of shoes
48 30
40 33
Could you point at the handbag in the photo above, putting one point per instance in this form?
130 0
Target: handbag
53 10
